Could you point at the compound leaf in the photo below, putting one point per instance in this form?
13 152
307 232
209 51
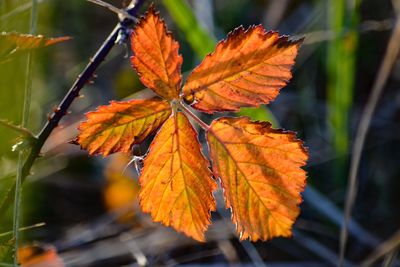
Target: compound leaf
247 69
176 182
156 57
116 127
260 172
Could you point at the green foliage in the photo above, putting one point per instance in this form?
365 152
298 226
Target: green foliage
341 68
200 41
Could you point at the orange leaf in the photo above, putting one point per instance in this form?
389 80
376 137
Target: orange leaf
38 255
247 69
121 190
116 127
176 182
260 171
156 58
13 42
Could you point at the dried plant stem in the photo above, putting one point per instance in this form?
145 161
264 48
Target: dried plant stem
24 123
390 57
23 229
383 249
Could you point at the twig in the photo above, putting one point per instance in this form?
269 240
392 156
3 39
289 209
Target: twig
390 57
62 109
25 120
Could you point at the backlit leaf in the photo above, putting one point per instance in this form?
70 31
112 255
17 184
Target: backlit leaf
176 182
260 172
247 69
12 43
39 255
156 58
121 191
116 127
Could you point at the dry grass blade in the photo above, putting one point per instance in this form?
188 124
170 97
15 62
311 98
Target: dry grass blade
385 248
390 57
318 248
23 229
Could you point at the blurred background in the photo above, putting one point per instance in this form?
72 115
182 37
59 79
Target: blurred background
83 211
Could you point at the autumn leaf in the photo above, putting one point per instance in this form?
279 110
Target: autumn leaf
121 191
176 182
260 172
260 168
156 58
12 43
38 255
246 70
116 127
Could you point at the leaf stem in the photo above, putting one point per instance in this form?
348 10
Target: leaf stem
188 112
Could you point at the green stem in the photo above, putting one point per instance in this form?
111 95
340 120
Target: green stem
343 21
24 123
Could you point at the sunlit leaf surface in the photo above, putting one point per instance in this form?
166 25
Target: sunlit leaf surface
176 182
245 70
260 172
156 57
116 127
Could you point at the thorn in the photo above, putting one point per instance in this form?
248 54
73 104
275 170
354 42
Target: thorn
90 82
94 75
56 109
81 96
49 116
68 112
137 162
73 141
91 60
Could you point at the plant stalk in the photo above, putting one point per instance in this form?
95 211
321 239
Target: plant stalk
24 124
62 109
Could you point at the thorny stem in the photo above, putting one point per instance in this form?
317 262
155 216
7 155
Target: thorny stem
188 112
62 108
25 119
